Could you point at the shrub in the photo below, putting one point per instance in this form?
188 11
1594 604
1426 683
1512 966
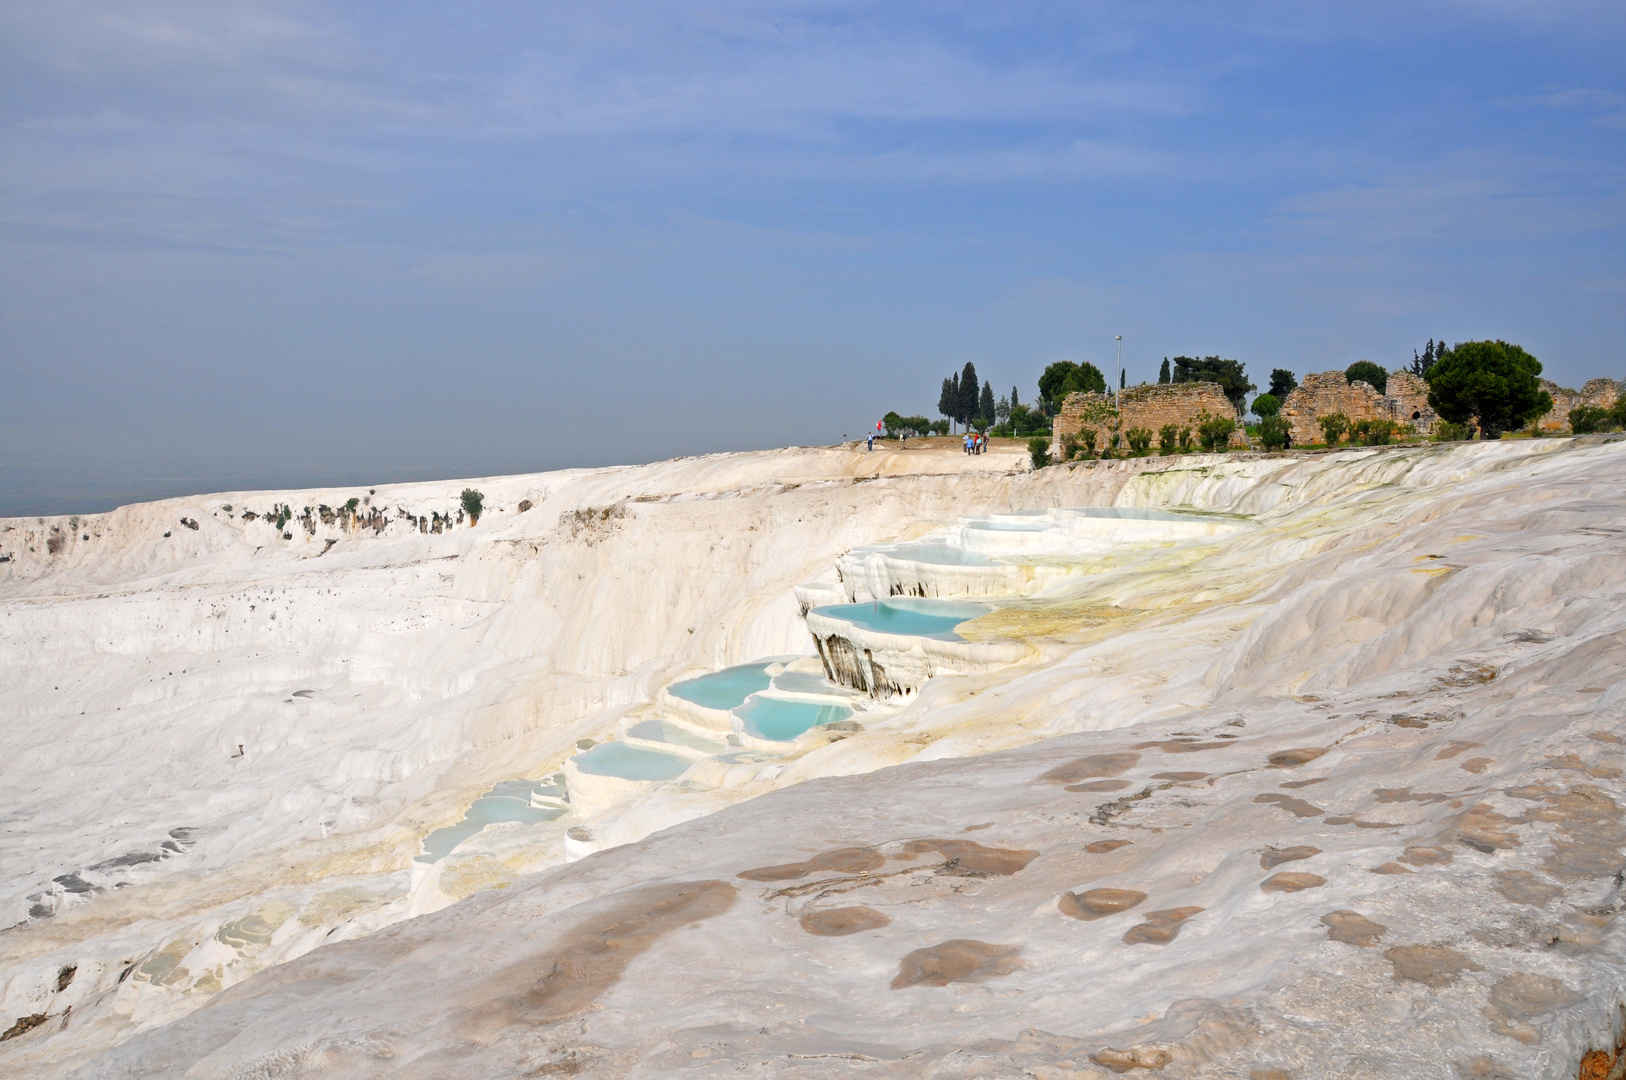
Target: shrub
1585 419
1168 439
1088 436
1039 451
352 503
1333 426
1446 431
1492 382
1215 433
1273 432
1140 439
1372 432
940 427
1266 405
473 502
1069 448
1185 439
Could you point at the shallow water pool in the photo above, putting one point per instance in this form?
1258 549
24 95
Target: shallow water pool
630 762
723 689
802 682
508 801
781 720
659 731
909 615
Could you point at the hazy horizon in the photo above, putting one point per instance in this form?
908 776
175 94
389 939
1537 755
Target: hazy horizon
276 240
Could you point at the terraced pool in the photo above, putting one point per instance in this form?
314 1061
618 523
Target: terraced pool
780 720
909 615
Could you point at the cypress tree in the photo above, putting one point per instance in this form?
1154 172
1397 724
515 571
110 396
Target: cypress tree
985 408
1163 372
970 399
948 402
1014 401
1123 378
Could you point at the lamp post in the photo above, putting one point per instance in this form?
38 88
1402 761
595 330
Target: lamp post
1115 393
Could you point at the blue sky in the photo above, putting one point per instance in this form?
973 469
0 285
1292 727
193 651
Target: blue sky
257 243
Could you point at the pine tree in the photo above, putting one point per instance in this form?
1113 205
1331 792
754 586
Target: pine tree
1163 372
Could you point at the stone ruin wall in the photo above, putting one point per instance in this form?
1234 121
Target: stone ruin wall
1601 393
1148 406
1406 403
1325 394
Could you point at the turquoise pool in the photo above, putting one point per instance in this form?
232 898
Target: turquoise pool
508 801
782 721
908 615
936 554
658 731
723 689
801 682
630 762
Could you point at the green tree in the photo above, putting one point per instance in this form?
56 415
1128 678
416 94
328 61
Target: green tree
1123 378
1282 383
1065 377
970 398
1367 372
1139 439
1585 419
1494 383
1273 432
1168 439
1420 365
1215 433
1333 426
986 408
893 423
1163 373
1015 401
1230 375
1266 405
948 402
1039 451
473 502
1002 410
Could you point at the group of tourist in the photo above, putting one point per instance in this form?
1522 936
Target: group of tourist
975 442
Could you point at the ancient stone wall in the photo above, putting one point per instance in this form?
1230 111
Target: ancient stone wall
1148 406
1601 393
1407 395
1328 393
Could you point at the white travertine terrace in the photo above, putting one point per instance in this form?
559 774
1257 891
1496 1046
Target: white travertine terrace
1334 792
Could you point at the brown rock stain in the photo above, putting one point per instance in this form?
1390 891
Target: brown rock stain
1099 785
1353 928
1099 903
1434 966
969 858
1288 759
1087 768
848 860
839 922
591 956
960 960
1275 856
1288 881
1160 927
